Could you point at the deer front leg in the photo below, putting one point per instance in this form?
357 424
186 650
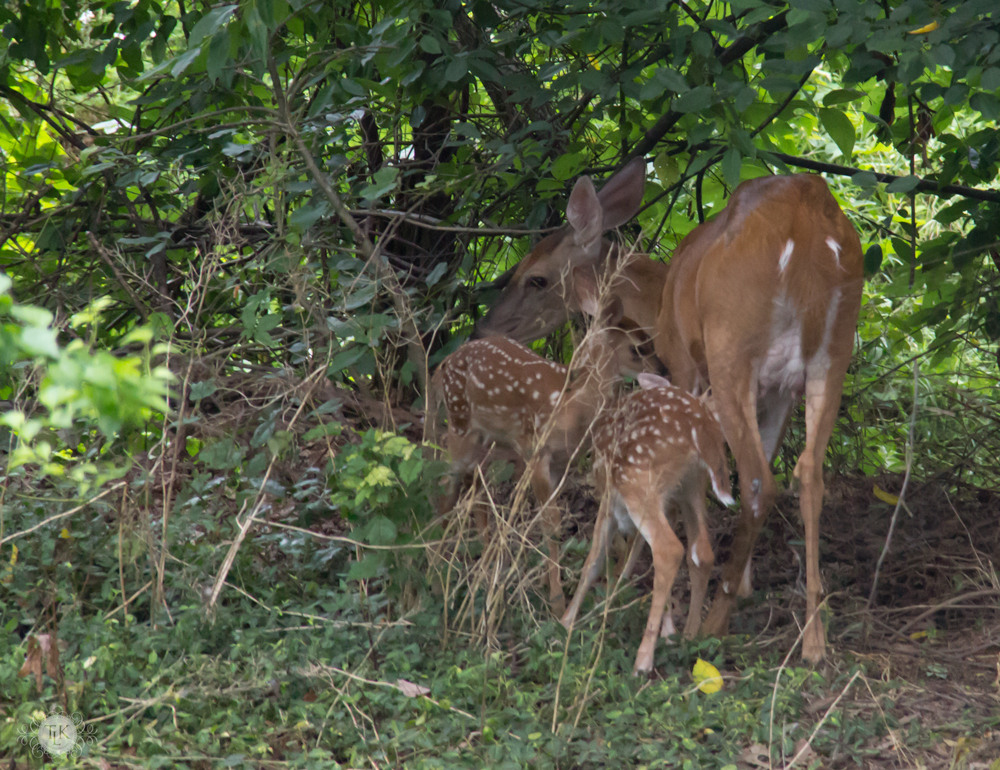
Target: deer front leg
541 485
596 557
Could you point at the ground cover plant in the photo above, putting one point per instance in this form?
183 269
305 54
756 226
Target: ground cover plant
237 238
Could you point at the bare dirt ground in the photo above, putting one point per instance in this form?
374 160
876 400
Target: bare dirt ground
932 635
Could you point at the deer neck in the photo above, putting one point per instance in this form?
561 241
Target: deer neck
638 280
591 390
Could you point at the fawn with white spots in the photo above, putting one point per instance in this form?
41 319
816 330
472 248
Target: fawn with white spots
497 390
655 448
761 302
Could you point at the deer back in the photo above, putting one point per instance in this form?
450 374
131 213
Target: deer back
655 436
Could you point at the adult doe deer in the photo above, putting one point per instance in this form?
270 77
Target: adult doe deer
762 303
654 448
496 390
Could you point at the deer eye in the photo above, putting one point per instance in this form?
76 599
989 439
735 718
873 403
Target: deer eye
538 282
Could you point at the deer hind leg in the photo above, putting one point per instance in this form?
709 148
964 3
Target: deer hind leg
736 407
822 401
465 453
700 557
773 410
595 559
646 511
542 486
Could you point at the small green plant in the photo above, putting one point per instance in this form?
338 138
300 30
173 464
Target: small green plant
77 396
382 487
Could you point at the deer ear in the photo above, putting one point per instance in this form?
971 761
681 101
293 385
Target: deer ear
614 311
621 195
585 217
648 381
585 290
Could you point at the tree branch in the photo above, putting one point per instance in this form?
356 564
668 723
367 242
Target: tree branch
924 185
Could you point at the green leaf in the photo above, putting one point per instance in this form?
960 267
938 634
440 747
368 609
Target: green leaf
322 430
457 69
745 98
200 390
841 96
381 531
864 179
430 44
218 56
259 37
873 259
666 169
31 315
383 182
40 341
345 358
673 80
695 100
359 297
732 165
902 185
567 165
210 23
223 455
956 94
990 79
819 6
304 217
943 54
840 129
987 104
365 569
435 275
184 61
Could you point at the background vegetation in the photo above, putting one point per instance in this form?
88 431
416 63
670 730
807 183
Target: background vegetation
236 238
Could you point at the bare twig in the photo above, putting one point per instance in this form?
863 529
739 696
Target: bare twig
64 514
902 491
140 306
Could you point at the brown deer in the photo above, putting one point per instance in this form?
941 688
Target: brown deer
762 303
496 390
654 448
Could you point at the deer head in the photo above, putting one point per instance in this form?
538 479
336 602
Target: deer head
539 296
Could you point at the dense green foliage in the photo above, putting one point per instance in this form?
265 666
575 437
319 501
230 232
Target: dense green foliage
237 237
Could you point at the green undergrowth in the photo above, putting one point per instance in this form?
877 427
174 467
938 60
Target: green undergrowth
253 685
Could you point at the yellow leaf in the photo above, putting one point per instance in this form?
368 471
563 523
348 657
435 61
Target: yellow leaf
925 29
884 496
706 676
13 556
65 535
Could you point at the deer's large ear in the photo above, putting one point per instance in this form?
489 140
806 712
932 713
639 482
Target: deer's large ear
621 196
585 217
648 381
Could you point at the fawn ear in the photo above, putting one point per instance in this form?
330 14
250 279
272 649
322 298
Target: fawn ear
614 311
585 290
648 381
